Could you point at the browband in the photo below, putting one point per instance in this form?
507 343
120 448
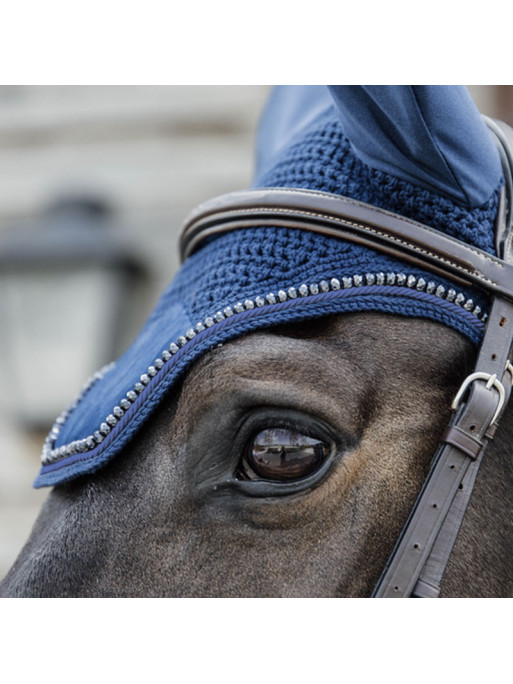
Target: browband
337 216
420 557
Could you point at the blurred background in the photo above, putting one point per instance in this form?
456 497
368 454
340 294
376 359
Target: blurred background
95 182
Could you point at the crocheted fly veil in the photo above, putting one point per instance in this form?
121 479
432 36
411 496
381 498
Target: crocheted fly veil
422 152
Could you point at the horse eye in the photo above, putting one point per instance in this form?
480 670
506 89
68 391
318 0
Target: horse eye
281 454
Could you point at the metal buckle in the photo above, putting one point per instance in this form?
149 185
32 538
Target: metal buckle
491 381
509 369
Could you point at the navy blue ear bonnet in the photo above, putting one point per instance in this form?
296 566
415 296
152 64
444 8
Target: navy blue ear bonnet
253 278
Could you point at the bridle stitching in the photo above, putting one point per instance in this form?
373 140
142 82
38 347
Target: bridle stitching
353 224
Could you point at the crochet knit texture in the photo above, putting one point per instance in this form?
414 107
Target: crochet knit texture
259 260
253 262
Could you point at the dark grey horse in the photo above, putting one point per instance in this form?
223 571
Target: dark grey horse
283 464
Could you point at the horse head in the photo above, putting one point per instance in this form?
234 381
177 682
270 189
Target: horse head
269 431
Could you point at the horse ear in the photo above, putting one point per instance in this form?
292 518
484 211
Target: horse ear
432 136
289 110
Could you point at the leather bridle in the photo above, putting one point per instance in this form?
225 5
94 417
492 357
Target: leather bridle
418 562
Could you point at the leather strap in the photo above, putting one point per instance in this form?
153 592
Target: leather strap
429 584
470 445
503 231
341 217
471 422
430 580
419 560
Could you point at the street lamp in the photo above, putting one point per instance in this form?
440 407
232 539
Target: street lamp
65 283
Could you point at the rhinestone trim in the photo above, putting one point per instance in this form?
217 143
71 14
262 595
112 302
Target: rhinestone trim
52 455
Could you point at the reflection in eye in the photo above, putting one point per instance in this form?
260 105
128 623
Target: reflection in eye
282 454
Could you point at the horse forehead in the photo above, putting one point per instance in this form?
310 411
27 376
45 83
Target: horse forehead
352 347
354 336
